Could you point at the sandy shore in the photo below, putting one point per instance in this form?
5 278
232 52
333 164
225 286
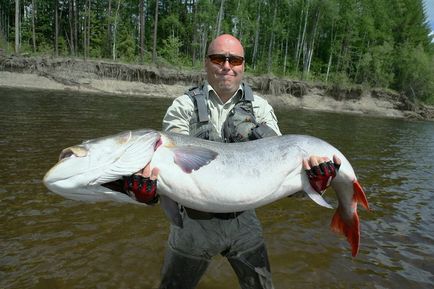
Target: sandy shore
315 100
115 87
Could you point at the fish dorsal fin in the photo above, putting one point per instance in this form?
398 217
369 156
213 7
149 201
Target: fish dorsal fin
192 158
317 198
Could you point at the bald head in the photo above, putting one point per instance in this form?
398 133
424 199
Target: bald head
225 42
224 77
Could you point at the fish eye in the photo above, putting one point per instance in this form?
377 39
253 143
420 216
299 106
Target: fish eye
75 151
66 153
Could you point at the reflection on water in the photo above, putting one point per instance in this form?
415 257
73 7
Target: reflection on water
50 242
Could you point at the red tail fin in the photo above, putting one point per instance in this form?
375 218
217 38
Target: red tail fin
359 195
351 228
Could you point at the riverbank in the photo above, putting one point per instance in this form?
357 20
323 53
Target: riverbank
138 80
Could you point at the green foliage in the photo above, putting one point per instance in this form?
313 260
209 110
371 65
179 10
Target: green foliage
340 79
170 50
415 72
372 42
376 66
45 48
3 42
126 46
171 25
63 47
96 36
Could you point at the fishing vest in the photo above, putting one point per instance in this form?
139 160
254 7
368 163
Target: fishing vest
200 125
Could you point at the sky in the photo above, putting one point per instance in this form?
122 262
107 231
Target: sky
429 4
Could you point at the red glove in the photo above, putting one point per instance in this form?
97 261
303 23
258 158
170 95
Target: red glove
143 189
320 176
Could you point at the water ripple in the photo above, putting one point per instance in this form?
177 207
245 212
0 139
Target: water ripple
51 242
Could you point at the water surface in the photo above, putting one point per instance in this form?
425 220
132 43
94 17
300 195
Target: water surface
50 242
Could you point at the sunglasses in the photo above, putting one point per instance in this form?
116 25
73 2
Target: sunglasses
220 59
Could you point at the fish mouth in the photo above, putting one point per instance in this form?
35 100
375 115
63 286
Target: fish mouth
98 193
116 186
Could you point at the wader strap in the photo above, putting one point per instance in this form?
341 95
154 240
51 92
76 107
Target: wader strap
202 108
197 93
248 93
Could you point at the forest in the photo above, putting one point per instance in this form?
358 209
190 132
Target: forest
372 43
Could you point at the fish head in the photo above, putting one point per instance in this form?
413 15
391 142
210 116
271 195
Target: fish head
83 169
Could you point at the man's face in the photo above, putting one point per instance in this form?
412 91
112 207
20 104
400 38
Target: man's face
225 77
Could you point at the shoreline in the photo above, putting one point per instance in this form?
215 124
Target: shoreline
312 98
87 85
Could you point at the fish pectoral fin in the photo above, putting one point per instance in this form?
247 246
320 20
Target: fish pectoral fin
192 158
132 159
317 198
171 210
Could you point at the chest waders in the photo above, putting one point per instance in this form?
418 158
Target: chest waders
181 268
201 127
240 125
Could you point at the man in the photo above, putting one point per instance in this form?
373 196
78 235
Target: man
222 109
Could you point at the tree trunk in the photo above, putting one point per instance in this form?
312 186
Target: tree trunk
285 60
332 40
343 62
75 26
109 29
329 65
33 25
71 30
270 54
17 27
142 30
56 28
240 27
298 46
312 44
255 47
360 56
302 43
89 26
84 31
194 42
220 18
3 21
270 46
115 27
203 41
154 46
71 27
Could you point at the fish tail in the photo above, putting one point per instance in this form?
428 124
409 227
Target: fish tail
351 227
359 195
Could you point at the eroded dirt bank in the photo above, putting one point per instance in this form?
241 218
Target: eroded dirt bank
123 79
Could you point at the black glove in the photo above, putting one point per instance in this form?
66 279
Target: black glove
142 189
320 176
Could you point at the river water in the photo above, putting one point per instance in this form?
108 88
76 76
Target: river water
50 242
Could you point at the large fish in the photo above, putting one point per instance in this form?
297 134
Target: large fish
207 176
